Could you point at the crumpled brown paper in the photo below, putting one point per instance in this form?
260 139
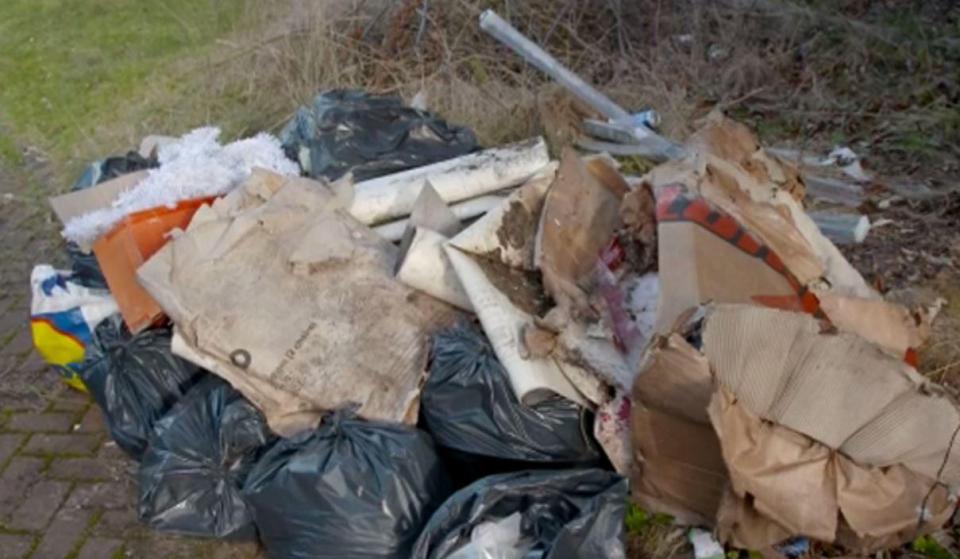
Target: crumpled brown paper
278 290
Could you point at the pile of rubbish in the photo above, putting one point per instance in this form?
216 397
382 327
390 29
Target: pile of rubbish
371 338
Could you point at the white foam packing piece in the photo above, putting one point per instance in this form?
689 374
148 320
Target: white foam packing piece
194 166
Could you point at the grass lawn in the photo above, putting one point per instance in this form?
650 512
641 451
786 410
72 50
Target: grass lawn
68 67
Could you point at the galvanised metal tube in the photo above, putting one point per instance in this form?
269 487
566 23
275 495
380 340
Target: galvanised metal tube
533 54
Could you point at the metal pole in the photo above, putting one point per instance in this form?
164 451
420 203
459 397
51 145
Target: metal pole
533 54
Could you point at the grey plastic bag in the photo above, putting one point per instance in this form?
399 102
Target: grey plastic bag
135 380
468 406
192 473
349 489
572 514
369 135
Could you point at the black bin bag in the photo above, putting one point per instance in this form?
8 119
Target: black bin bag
113 167
369 135
192 473
135 380
470 409
349 489
534 514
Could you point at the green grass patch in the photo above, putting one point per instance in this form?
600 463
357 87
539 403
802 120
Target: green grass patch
9 152
69 65
928 547
638 521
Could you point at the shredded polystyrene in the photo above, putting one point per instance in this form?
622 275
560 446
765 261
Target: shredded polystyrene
195 166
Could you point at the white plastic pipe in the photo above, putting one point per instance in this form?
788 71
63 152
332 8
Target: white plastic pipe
427 268
393 231
469 176
842 229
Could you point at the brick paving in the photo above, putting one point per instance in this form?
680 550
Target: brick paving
66 490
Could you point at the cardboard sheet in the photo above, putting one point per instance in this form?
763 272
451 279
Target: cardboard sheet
732 141
771 181
889 325
580 214
762 193
705 255
74 204
278 290
702 262
679 468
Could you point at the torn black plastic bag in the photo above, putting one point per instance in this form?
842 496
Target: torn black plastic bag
570 514
135 380
86 270
192 473
349 489
369 135
469 407
111 168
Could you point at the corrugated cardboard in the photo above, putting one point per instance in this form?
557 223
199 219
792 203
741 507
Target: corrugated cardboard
278 290
785 484
835 388
815 424
679 469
